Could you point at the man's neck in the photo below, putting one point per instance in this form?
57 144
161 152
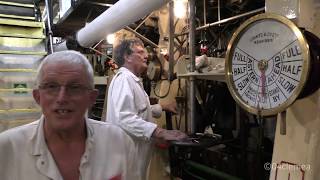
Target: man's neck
131 70
67 147
59 136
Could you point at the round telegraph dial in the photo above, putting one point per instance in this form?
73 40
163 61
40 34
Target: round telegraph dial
267 64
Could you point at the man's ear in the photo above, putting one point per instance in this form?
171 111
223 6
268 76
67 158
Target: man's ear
127 58
36 95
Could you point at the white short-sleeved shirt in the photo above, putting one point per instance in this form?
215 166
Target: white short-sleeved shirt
25 155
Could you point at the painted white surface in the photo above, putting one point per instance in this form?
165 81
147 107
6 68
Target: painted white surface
301 144
288 8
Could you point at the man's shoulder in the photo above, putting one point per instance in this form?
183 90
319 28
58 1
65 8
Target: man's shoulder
19 132
103 126
97 123
108 131
125 75
22 128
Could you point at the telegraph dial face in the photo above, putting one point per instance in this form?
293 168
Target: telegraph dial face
267 64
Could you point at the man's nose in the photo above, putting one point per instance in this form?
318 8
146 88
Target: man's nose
62 93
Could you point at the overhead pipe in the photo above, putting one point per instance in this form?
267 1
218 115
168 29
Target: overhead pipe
141 37
121 14
115 18
100 4
217 23
140 24
214 173
230 19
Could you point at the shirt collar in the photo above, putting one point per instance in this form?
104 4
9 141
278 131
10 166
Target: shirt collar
128 72
38 144
37 138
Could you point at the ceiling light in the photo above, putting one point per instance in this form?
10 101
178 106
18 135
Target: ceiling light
110 38
180 8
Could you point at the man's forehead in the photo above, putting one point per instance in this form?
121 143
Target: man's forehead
63 69
138 46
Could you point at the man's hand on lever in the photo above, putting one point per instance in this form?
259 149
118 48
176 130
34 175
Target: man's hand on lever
169 135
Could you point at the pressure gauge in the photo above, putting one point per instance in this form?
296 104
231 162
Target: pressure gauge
267 64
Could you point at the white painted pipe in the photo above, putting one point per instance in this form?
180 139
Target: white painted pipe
121 14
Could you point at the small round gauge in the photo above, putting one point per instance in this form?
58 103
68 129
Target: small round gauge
267 64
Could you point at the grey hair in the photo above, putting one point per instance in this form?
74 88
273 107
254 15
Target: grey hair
66 57
125 48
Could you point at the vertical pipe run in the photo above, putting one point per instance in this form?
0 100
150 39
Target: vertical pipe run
192 34
204 12
283 128
219 40
193 64
171 41
219 18
49 21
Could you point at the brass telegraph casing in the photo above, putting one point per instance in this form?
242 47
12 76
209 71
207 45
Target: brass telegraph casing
267 64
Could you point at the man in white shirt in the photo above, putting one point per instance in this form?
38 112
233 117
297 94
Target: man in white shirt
64 144
129 106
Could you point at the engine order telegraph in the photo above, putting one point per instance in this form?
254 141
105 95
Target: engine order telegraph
267 64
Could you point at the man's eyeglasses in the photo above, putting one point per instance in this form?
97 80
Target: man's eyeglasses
70 89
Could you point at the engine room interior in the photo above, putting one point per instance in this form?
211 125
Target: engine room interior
244 75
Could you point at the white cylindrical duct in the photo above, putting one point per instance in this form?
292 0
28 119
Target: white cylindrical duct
121 14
